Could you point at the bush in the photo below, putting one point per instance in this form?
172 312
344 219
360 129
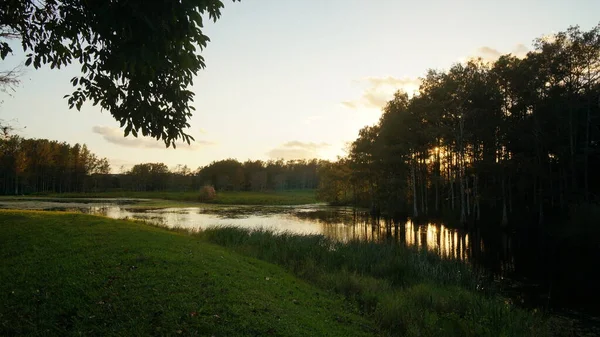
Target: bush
207 193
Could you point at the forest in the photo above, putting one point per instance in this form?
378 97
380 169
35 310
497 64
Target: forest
494 141
42 166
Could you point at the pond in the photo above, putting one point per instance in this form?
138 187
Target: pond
532 270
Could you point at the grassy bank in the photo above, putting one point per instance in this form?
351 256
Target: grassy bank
293 197
72 274
406 292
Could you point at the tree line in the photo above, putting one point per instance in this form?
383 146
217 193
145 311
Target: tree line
224 175
44 166
41 165
514 139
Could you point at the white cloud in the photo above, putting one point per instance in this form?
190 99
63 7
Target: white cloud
490 54
380 90
297 150
115 136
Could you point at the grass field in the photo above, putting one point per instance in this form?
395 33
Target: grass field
293 197
73 274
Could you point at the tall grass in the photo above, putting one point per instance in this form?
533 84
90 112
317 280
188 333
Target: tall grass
407 291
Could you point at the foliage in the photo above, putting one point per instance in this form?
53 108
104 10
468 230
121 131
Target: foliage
149 177
207 193
137 58
333 185
72 274
224 175
258 175
40 165
43 166
407 292
514 138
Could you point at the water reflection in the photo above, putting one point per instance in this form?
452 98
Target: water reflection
341 224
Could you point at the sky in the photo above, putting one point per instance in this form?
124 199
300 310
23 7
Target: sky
296 79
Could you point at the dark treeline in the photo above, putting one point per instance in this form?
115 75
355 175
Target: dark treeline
41 165
44 166
516 137
224 175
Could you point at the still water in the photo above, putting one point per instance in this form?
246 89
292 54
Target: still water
531 269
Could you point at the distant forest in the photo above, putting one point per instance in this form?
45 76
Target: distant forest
43 166
518 138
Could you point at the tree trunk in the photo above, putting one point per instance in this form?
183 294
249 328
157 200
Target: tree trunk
452 178
437 179
510 203
504 214
463 215
541 207
587 149
467 195
414 183
477 205
422 181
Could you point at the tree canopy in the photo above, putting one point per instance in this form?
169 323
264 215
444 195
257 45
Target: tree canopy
138 58
517 138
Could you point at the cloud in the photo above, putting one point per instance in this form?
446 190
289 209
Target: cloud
488 53
115 136
297 150
380 90
491 54
392 81
350 104
520 50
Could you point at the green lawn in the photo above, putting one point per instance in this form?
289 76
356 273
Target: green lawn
293 197
73 274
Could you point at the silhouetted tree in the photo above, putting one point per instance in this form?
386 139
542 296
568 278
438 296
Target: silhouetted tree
137 57
515 137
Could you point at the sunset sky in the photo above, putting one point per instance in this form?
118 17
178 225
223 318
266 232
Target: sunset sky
298 78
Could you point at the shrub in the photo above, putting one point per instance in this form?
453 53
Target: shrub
207 193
